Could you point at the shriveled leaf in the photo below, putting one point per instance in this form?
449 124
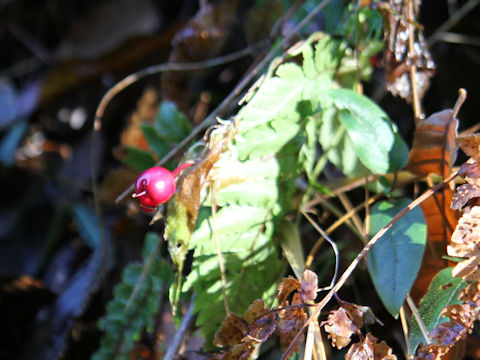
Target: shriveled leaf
394 261
339 327
466 243
370 349
443 291
448 333
261 321
234 329
289 323
470 145
308 286
434 149
463 194
397 56
286 287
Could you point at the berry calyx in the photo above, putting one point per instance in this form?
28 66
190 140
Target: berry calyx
153 187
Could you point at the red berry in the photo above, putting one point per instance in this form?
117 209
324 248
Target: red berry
153 187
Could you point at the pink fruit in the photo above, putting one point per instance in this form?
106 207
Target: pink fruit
156 186
153 187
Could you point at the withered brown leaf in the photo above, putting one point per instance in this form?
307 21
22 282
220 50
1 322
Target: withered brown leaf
290 322
261 322
465 242
339 327
434 149
234 328
432 352
397 56
308 286
370 349
463 194
470 145
286 287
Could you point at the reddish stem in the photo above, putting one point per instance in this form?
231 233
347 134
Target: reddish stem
181 167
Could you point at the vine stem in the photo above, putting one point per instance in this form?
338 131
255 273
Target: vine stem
362 254
210 119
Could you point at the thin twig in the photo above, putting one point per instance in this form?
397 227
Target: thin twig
180 335
366 230
403 320
210 119
413 69
420 322
332 244
361 255
221 263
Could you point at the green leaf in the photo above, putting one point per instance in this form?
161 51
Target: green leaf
337 145
171 124
395 260
443 291
292 247
138 160
372 134
157 143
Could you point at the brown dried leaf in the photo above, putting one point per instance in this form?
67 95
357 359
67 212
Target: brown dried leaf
360 314
397 56
464 193
261 322
470 171
470 145
339 327
463 314
471 293
468 269
441 221
286 287
290 322
448 333
238 352
465 240
432 352
434 149
466 243
308 286
369 349
234 328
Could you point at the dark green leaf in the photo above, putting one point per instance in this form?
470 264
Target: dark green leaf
171 124
372 135
137 159
395 260
443 291
156 142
